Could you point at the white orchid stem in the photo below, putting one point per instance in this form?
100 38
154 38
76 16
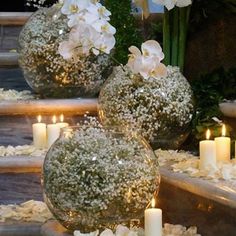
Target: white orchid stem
114 59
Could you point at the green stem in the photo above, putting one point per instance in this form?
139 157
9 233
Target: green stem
182 38
183 23
166 37
175 37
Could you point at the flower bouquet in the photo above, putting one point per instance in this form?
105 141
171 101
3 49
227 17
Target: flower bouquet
97 177
149 97
64 50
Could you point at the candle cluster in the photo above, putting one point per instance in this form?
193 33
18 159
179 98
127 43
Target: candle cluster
213 151
44 135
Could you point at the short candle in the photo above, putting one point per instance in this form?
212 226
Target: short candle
223 147
207 152
153 221
62 124
39 134
53 132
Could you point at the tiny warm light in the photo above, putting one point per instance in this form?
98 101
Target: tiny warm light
223 130
39 118
61 117
208 134
54 119
153 203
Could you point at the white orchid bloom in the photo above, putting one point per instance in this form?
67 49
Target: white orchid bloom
99 10
90 18
107 232
104 43
135 59
170 4
74 6
75 19
152 48
66 49
147 63
103 26
152 68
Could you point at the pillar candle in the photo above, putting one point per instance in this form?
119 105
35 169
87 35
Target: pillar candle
207 152
39 134
62 124
153 221
53 132
223 147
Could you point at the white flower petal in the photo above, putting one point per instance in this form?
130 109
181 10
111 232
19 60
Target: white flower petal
159 71
183 3
66 49
135 51
107 232
77 233
74 6
152 48
122 230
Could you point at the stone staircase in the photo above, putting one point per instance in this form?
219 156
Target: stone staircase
10 26
184 200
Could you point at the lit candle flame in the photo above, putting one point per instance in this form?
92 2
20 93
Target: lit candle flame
54 119
223 130
153 203
39 118
61 117
208 134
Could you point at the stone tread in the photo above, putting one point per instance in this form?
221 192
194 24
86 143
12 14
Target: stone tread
14 18
228 109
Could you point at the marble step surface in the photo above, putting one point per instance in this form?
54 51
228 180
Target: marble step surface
182 201
21 164
8 59
228 109
77 106
20 229
14 18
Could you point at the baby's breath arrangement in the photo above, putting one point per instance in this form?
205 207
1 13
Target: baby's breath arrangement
64 49
96 177
156 100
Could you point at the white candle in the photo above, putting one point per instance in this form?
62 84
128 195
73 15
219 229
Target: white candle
62 124
207 152
223 147
53 132
153 221
39 134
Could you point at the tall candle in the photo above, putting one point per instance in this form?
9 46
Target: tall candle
53 132
153 221
207 152
62 124
39 134
223 147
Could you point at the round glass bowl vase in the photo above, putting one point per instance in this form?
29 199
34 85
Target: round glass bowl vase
161 109
45 70
97 177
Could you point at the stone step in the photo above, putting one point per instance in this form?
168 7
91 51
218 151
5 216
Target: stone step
20 229
228 109
21 164
9 59
78 106
14 18
184 200
10 26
